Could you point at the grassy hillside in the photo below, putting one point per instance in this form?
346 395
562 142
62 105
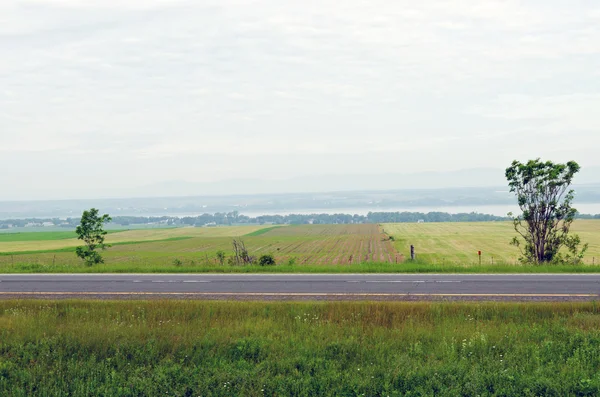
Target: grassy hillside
185 348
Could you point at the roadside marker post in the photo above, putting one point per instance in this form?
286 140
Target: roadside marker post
479 253
412 252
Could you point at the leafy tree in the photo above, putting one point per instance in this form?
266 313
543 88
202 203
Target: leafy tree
92 232
544 197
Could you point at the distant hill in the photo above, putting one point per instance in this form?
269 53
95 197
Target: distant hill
484 177
478 177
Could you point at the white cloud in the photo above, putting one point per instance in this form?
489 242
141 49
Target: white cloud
573 111
153 80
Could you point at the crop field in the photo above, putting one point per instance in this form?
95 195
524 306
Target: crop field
188 247
20 242
440 247
192 348
458 243
331 244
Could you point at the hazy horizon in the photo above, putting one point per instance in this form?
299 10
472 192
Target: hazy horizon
104 97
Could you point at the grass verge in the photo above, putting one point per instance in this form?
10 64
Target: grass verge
190 348
188 267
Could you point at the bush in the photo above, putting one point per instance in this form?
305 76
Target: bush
267 260
177 262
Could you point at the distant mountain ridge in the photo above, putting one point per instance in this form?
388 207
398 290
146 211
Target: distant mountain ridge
476 177
344 184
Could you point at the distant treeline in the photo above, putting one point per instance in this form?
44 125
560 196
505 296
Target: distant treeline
234 218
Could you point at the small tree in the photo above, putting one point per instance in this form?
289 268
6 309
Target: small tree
221 257
542 190
92 232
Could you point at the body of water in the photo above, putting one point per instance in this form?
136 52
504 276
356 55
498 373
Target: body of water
498 210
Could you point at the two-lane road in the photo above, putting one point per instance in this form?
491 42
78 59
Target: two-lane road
305 286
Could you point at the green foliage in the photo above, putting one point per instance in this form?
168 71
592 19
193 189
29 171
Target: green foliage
221 257
267 260
177 262
91 231
543 195
183 348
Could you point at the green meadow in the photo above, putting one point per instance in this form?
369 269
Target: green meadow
214 348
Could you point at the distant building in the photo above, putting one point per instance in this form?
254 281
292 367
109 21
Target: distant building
47 224
421 221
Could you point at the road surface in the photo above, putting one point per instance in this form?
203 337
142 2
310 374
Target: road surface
303 286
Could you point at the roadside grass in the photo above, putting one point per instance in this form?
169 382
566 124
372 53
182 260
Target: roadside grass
191 348
176 265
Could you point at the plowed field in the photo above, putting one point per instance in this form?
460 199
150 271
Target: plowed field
332 244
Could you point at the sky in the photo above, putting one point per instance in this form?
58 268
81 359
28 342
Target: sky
98 97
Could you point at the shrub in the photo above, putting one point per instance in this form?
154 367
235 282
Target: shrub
267 260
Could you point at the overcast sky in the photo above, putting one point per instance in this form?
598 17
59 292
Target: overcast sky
97 96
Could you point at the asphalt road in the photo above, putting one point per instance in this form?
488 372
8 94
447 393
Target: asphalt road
314 286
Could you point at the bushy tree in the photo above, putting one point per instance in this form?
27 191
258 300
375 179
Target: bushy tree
544 197
91 231
267 260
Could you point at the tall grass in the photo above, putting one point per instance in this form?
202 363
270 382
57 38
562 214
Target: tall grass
189 348
190 266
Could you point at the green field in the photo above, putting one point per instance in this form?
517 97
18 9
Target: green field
194 249
191 348
440 247
41 236
458 243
